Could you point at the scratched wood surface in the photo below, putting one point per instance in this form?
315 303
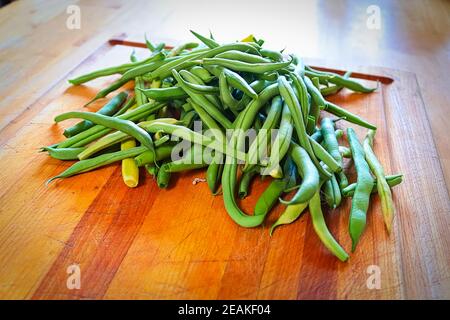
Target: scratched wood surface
179 243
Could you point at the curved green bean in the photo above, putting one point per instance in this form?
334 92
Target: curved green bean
364 186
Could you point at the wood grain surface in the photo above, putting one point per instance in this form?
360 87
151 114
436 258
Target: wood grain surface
179 243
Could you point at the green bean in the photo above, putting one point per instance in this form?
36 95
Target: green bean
310 124
336 88
208 42
283 139
309 174
274 55
332 192
256 149
350 84
317 135
272 193
103 160
391 180
319 101
187 162
242 56
192 136
190 77
138 86
149 45
328 193
202 73
63 153
302 90
127 105
321 229
225 95
112 87
126 126
188 118
164 94
158 60
236 81
178 49
332 146
288 95
117 137
163 178
246 67
289 215
108 109
258 86
110 71
347 115
214 175
384 191
201 89
316 82
243 122
146 157
152 169
346 152
205 103
364 186
167 69
98 131
244 184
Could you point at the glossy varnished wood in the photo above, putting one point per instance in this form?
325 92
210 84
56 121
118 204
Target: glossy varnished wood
147 243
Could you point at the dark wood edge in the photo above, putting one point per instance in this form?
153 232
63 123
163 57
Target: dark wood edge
358 75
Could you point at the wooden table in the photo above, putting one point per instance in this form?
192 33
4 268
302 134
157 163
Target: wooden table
40 234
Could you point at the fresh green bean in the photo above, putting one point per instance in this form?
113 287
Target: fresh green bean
190 77
64 153
207 41
256 149
108 109
242 56
126 126
348 116
205 103
103 160
246 67
364 186
185 46
164 94
112 87
309 174
225 95
271 195
126 106
117 137
289 215
167 69
202 73
111 70
332 146
391 180
236 81
302 90
321 229
244 184
283 139
274 55
288 95
319 101
384 191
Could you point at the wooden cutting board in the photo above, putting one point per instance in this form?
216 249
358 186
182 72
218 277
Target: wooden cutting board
179 243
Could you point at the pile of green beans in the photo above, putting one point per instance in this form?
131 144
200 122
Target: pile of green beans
230 89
